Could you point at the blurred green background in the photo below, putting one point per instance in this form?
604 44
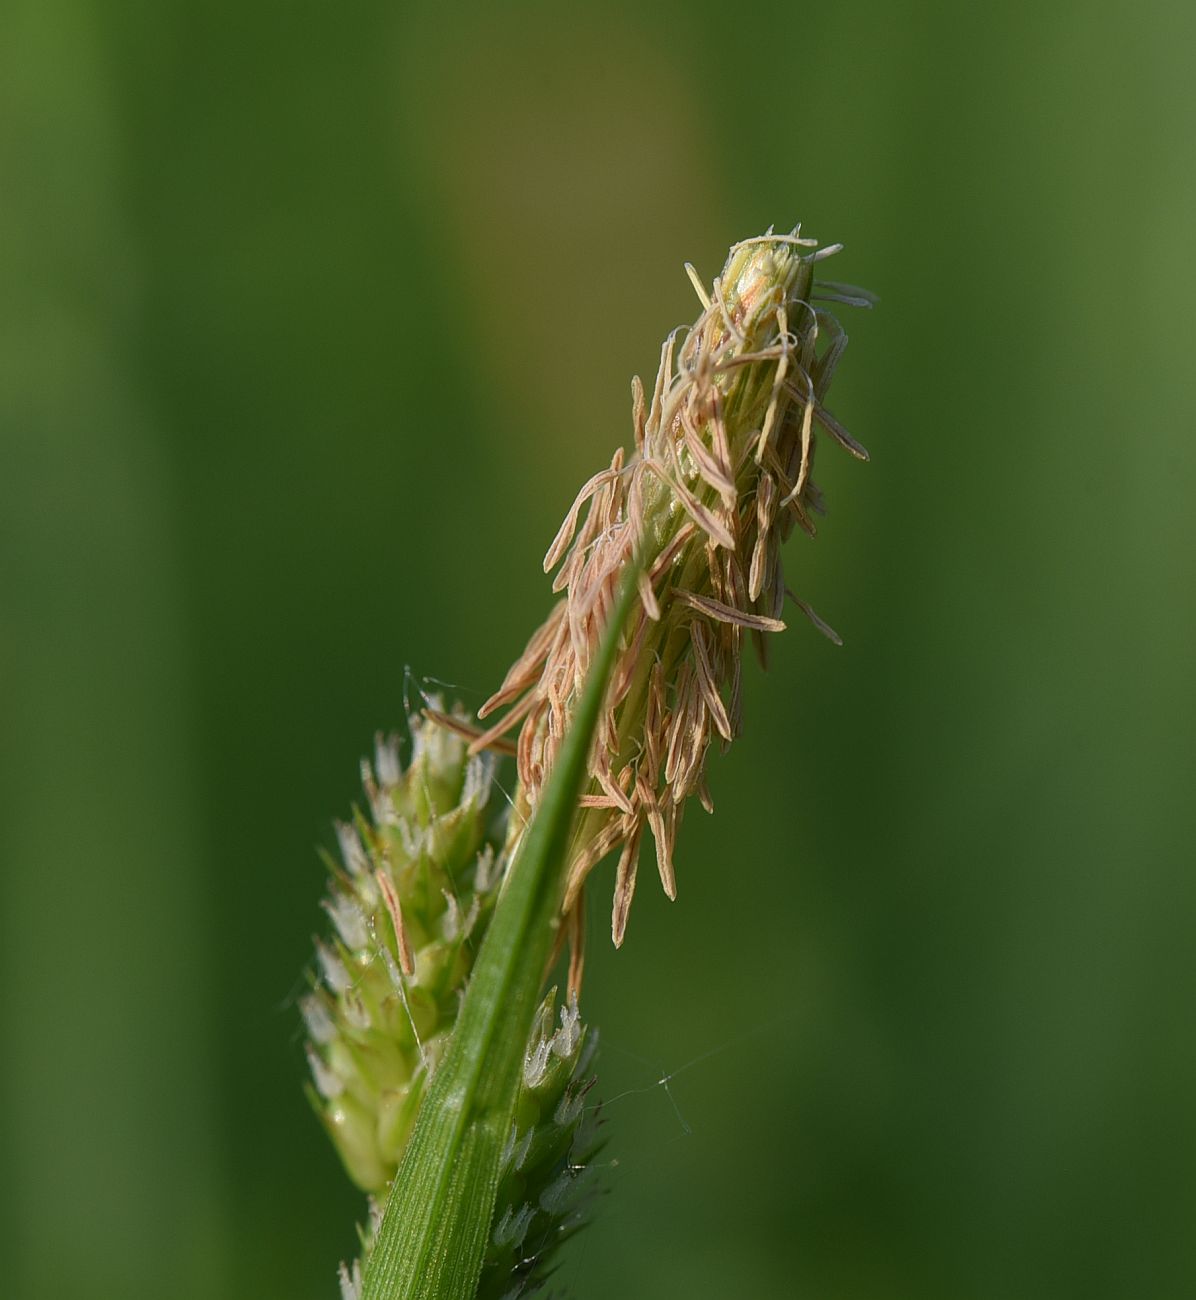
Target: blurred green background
312 317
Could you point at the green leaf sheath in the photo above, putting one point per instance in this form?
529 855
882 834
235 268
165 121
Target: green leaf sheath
436 1224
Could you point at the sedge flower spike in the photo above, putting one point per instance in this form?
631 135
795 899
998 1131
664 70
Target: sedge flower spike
453 1087
409 902
720 476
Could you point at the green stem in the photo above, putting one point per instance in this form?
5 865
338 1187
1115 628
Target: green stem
434 1231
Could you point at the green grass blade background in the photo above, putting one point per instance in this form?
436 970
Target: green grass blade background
311 322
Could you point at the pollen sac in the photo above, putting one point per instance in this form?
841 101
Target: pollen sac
721 474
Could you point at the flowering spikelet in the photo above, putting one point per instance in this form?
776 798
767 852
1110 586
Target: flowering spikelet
720 476
409 903
544 1181
545 1176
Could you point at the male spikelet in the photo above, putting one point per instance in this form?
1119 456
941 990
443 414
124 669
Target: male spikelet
409 903
720 476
